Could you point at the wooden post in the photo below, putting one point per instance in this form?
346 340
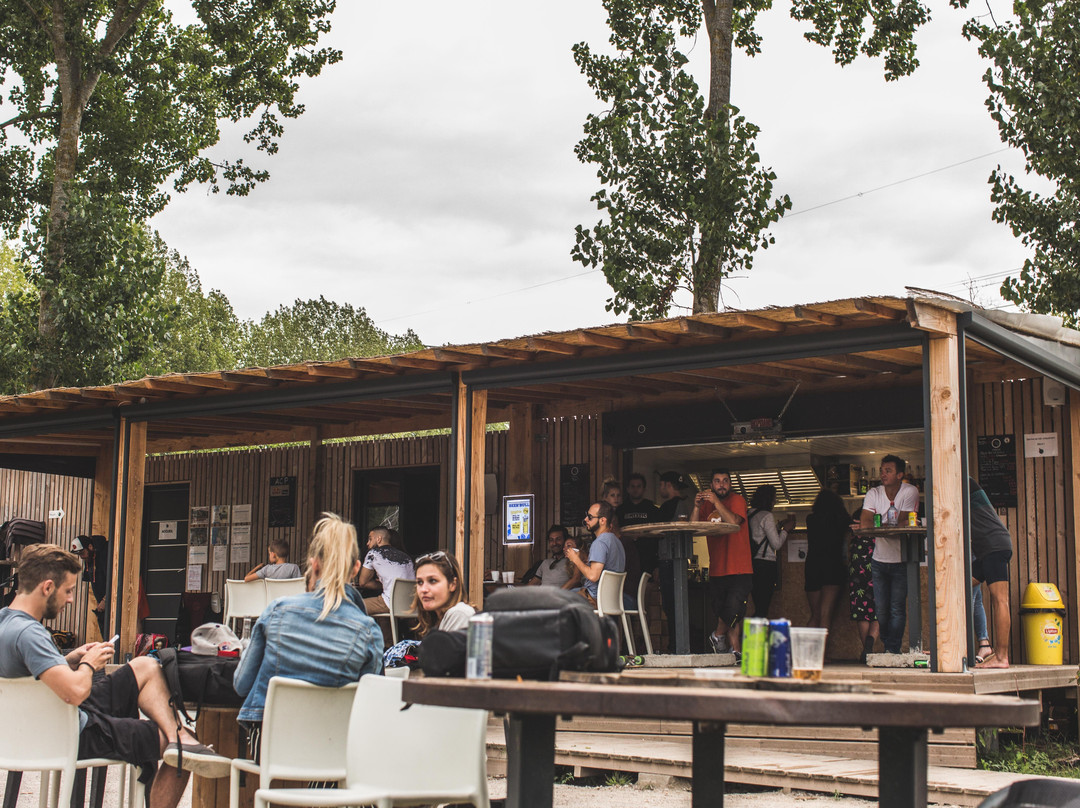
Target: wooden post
129 512
317 470
1073 492
103 492
460 472
519 480
951 613
477 535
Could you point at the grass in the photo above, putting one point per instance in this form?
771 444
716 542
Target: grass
1047 756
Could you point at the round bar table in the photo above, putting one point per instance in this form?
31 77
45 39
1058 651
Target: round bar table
677 544
912 553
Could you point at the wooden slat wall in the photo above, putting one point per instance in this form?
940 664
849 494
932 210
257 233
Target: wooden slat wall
1044 537
30 495
563 441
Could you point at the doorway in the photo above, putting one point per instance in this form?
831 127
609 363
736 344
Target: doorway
406 500
164 554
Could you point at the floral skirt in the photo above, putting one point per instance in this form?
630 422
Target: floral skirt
860 578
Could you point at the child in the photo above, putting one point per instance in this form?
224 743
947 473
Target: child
279 566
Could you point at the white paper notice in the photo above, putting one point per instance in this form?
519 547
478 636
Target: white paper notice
796 551
166 531
241 554
220 558
197 555
241 534
1041 444
194 578
241 513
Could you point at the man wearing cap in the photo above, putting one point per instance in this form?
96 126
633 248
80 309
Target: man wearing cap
95 559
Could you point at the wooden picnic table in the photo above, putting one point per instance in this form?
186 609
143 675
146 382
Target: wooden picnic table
912 554
902 719
677 544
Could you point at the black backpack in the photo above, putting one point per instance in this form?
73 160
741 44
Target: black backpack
538 631
198 679
21 532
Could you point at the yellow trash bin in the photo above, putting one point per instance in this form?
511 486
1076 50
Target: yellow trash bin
1041 617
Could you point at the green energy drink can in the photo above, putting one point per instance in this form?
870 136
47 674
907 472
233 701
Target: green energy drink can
755 646
877 520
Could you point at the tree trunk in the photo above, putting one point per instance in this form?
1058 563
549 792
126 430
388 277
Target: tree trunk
718 14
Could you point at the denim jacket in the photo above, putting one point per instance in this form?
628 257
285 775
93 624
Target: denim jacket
287 641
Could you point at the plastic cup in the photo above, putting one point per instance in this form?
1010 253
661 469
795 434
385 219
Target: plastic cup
508 577
808 652
495 575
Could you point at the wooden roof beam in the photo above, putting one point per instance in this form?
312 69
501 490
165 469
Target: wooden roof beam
499 352
170 386
877 364
288 374
211 380
334 371
731 375
551 346
642 331
696 328
815 316
417 362
64 395
368 366
258 379
760 323
602 340
877 310
459 357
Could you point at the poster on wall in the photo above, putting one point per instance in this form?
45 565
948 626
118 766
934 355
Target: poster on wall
219 535
194 578
997 469
197 555
240 554
219 515
241 534
796 551
517 521
198 536
282 507
574 497
241 514
166 531
220 559
200 515
1041 444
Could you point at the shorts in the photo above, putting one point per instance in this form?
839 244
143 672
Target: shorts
728 594
825 573
992 567
113 727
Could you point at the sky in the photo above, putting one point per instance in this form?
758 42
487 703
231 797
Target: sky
432 179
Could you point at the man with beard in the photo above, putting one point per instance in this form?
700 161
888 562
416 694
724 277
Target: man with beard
731 566
109 705
556 570
385 563
605 553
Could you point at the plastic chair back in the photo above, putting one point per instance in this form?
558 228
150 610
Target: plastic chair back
244 599
643 619
402 593
304 732
283 587
49 739
609 593
454 772
401 672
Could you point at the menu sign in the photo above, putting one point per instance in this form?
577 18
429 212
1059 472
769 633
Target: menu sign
282 510
997 469
573 493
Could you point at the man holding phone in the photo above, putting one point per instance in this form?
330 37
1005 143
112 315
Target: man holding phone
109 705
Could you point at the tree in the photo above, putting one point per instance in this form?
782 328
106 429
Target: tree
319 330
686 198
113 97
1034 84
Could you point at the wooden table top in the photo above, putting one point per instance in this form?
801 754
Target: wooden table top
666 528
890 530
881 709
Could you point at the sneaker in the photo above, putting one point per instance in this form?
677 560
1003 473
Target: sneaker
719 644
198 759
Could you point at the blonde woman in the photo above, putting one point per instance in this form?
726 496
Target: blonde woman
323 636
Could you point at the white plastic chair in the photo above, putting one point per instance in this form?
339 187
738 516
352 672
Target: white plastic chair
283 587
402 593
48 742
640 612
609 602
244 599
455 772
401 672
304 732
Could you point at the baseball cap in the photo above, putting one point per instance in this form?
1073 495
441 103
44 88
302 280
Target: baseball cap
77 545
675 478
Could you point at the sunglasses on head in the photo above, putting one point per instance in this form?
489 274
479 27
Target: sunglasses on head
438 555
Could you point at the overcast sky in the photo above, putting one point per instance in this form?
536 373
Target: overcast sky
432 179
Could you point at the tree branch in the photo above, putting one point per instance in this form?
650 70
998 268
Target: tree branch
120 24
37 18
28 116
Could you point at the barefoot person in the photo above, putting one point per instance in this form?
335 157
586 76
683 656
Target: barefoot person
109 704
991 549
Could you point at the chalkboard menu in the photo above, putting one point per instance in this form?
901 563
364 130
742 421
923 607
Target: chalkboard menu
574 498
282 510
997 469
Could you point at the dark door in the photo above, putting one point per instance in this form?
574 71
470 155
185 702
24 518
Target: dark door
164 555
406 500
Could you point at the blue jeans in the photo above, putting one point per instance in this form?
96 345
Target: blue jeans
979 614
890 596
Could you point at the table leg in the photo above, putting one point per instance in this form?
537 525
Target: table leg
914 605
901 767
682 606
530 760
708 765
11 791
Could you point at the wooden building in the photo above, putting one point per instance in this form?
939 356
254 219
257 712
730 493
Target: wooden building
554 414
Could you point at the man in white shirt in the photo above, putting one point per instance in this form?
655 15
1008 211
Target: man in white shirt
889 573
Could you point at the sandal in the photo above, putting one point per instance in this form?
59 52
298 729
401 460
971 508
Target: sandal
986 650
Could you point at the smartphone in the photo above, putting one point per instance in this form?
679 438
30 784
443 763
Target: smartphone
115 637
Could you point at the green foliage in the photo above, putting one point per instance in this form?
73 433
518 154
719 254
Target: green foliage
1044 758
319 330
686 199
619 779
12 273
1034 98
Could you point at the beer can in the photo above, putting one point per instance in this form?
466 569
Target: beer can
877 520
912 519
755 650
479 642
922 663
780 648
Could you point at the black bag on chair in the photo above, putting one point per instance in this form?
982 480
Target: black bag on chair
198 679
538 631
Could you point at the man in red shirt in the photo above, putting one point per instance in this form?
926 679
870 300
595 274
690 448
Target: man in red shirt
731 567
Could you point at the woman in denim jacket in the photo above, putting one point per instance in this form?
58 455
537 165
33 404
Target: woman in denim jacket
323 636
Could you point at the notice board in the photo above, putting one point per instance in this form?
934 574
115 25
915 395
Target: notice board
573 493
997 469
282 508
